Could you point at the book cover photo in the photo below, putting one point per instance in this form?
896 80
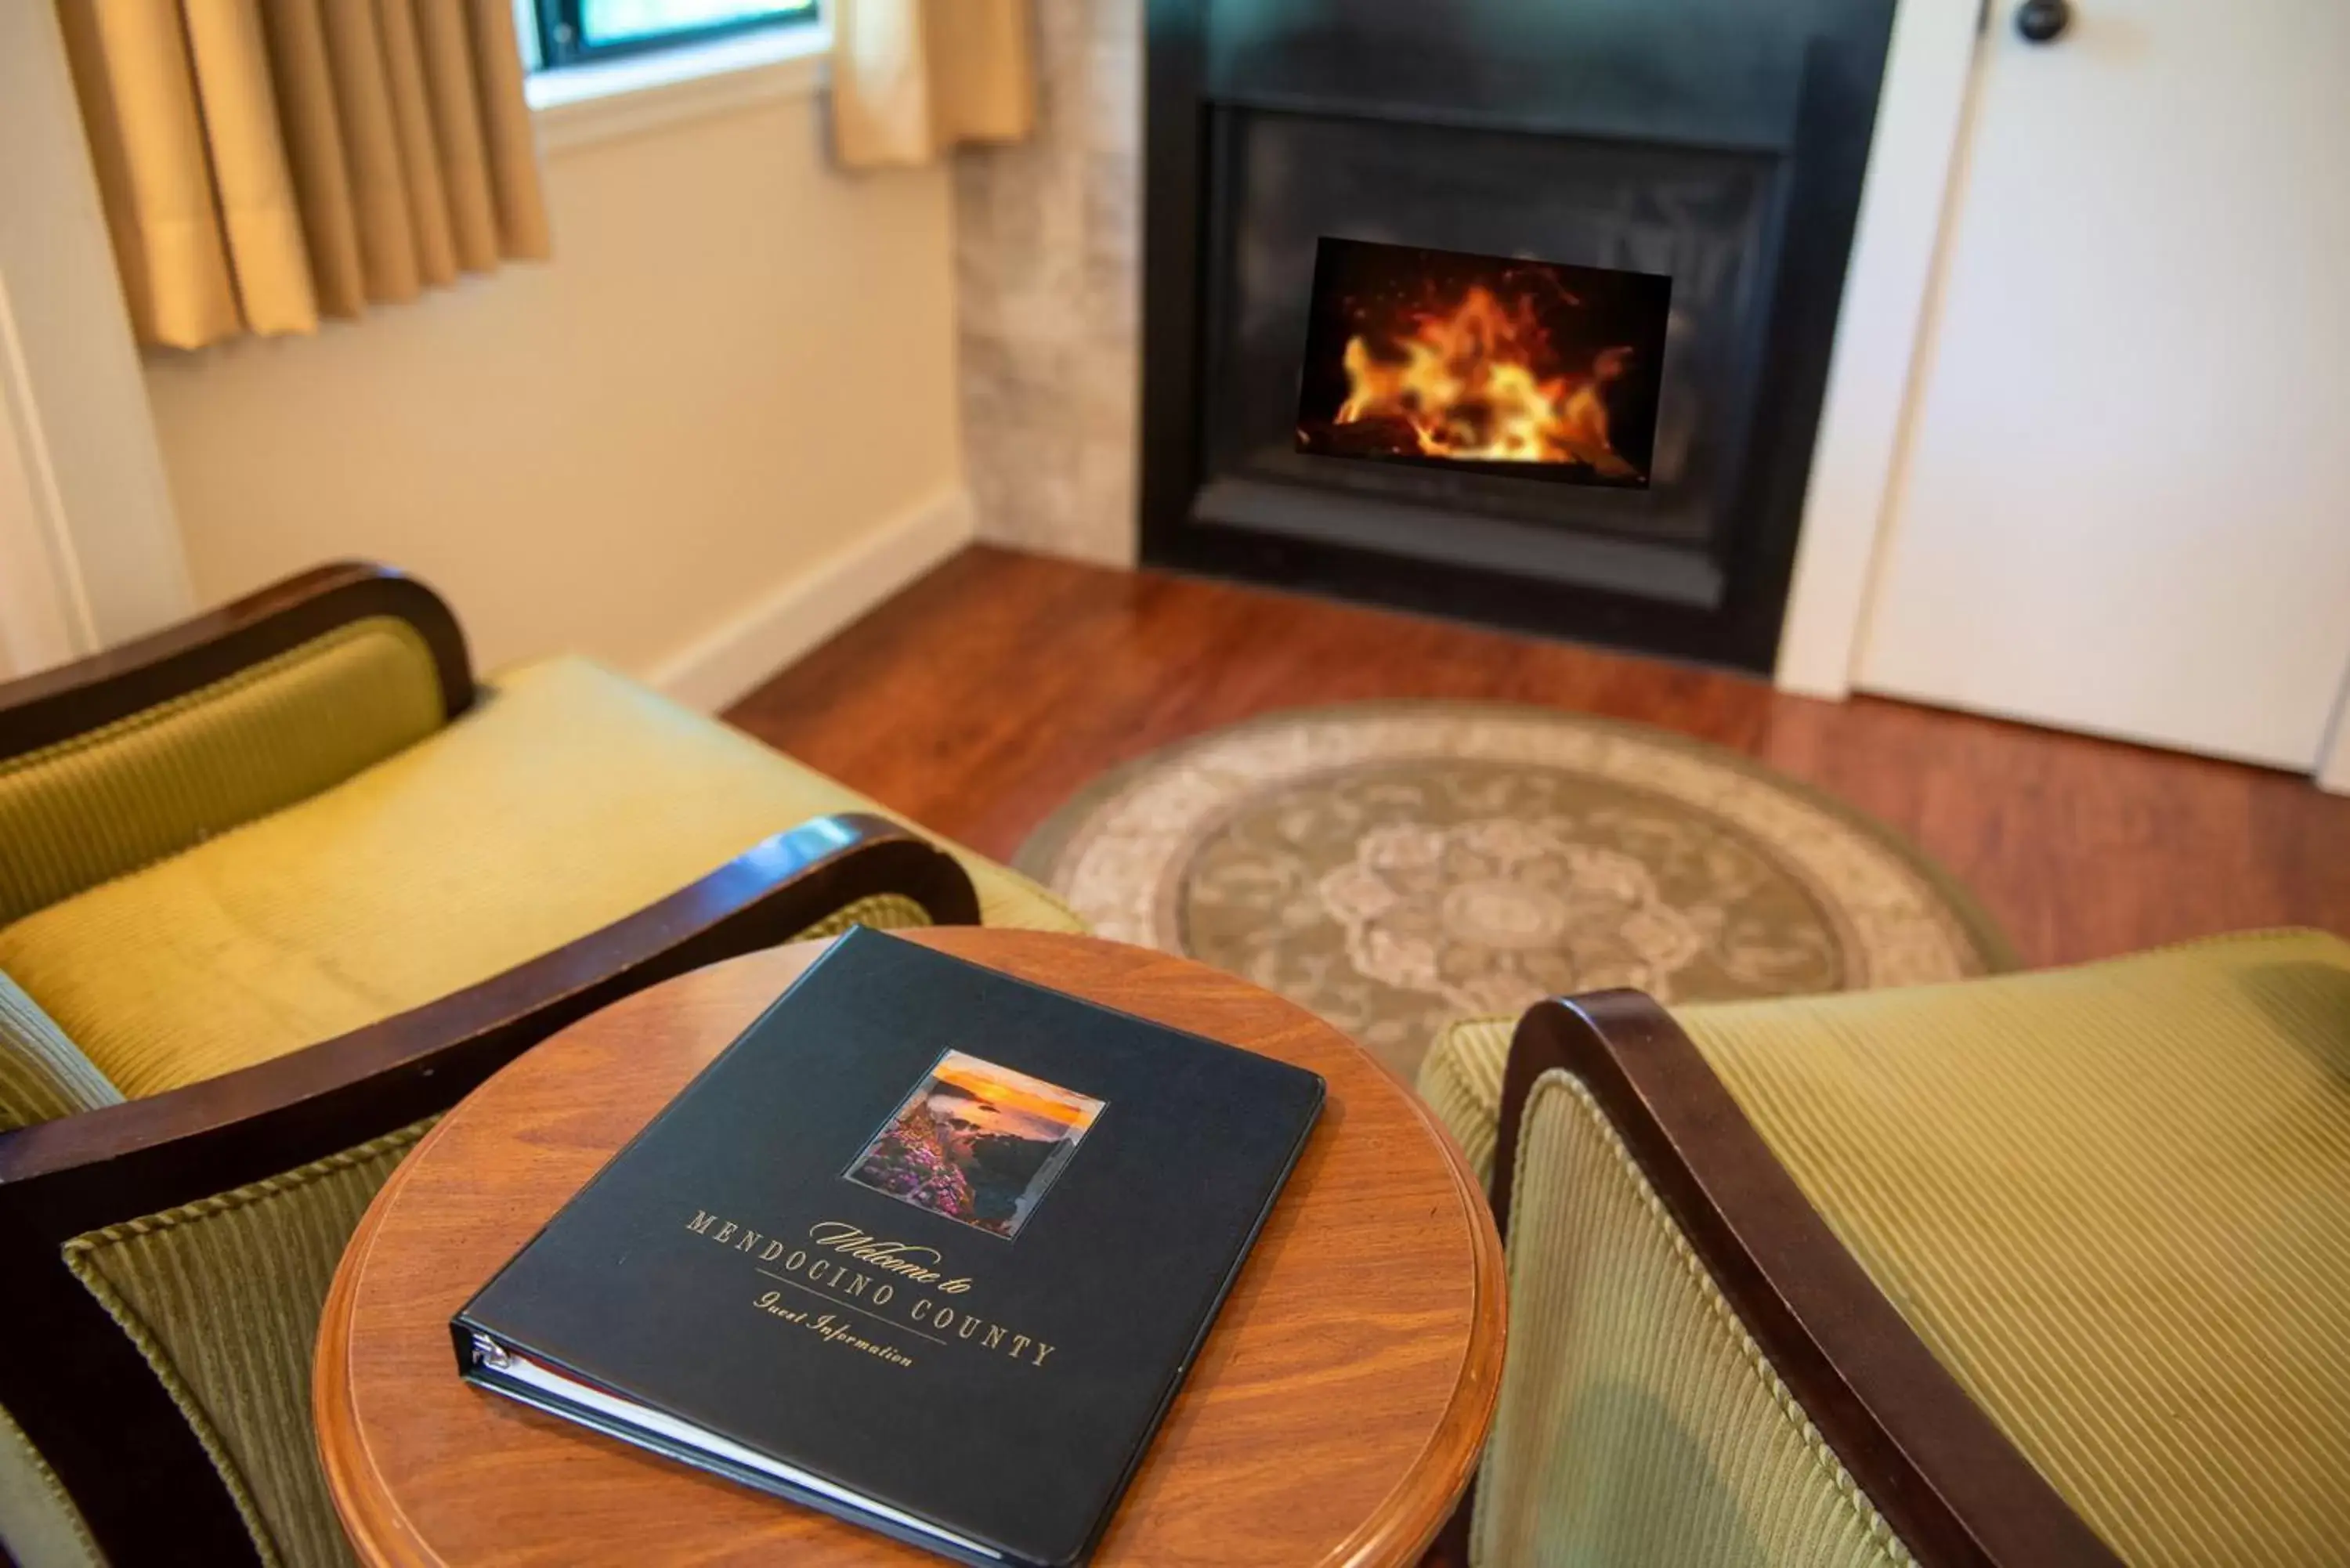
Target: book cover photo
976 1142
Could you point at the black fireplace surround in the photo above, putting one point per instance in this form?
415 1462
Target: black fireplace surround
1720 142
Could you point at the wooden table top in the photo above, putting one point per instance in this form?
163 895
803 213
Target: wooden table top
1333 1416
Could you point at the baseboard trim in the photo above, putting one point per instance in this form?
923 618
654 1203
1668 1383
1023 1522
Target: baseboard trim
2333 773
808 606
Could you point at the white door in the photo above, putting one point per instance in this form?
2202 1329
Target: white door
2125 506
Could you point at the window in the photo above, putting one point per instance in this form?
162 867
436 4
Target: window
571 31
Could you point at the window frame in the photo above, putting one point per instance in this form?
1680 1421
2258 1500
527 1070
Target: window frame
559 31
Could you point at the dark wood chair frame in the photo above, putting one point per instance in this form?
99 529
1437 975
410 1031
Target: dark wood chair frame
1950 1484
68 1376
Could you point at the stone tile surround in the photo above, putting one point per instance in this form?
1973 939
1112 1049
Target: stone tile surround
1047 279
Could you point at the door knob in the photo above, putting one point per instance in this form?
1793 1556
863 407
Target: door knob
2041 21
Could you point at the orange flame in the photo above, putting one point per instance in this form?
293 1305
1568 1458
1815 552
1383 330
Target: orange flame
1466 383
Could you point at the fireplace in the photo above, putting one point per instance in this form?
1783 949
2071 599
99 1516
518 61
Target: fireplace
1501 212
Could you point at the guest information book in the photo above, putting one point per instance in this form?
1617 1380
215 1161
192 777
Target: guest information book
927 1248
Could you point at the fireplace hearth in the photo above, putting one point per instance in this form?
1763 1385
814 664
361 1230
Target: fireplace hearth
1516 313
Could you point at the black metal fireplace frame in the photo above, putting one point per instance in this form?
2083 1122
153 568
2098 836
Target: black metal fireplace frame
1733 617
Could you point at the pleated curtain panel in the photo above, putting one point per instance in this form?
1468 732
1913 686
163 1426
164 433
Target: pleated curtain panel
266 162
910 78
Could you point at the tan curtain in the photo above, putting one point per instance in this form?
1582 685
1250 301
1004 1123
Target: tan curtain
913 77
266 162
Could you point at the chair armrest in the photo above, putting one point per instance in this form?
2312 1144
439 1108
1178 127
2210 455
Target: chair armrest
98 1167
1952 1485
78 1386
40 709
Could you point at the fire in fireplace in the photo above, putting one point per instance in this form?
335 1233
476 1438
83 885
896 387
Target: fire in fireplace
1501 365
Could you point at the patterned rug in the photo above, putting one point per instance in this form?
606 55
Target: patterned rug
1396 865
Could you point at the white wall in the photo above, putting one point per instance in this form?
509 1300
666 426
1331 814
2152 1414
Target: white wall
723 413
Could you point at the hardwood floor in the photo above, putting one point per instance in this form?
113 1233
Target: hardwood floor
982 697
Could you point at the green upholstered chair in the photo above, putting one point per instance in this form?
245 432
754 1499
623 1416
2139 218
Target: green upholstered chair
277 887
2045 1268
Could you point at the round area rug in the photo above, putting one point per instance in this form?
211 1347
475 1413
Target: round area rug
1394 866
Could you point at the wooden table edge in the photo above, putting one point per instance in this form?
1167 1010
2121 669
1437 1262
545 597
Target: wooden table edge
384 1536
1475 1392
381 1535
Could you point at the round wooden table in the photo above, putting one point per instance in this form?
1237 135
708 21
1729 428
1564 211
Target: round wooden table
1333 1416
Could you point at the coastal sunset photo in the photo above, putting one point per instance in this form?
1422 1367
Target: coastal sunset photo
977 1143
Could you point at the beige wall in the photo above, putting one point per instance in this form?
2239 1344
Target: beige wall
89 553
738 365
